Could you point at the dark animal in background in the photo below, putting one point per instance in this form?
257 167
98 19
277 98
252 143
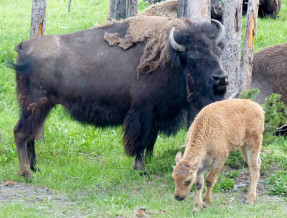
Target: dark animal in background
269 72
169 9
145 78
266 7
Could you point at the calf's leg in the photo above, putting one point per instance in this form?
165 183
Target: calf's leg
210 182
254 173
198 192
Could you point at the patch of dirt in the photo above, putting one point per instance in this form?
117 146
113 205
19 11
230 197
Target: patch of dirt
58 204
241 184
12 192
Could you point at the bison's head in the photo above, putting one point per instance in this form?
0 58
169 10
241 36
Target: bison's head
197 51
184 175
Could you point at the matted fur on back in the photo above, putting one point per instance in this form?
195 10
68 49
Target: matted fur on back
151 30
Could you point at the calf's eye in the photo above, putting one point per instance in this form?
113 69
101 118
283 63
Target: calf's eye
187 182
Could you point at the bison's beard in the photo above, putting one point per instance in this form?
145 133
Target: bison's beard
206 97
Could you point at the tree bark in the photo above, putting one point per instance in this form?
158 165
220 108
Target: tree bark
38 29
132 8
232 21
117 9
248 47
38 20
237 62
198 11
121 9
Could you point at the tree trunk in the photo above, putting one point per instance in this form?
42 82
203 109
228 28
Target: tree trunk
117 9
38 29
232 21
237 64
38 20
132 8
248 47
121 9
198 11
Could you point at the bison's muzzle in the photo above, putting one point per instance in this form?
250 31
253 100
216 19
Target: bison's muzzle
220 83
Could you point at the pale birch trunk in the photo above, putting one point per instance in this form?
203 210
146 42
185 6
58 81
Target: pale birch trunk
38 29
198 11
232 21
38 18
248 47
132 8
121 9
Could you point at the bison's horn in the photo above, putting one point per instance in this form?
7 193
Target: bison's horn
173 43
221 31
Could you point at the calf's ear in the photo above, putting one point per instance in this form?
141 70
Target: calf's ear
178 157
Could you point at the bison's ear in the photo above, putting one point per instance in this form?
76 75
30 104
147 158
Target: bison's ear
178 157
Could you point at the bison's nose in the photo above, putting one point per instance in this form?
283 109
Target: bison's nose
179 198
221 80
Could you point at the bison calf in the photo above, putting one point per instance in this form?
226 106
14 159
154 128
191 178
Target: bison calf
219 128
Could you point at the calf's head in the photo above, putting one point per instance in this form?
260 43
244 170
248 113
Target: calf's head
184 175
197 51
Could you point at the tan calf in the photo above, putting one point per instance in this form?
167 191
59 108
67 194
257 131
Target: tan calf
218 129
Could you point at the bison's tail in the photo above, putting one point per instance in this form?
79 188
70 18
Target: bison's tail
19 67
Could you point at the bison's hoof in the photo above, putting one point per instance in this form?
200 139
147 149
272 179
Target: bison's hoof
35 169
139 166
25 174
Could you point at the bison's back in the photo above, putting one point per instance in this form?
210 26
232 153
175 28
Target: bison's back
270 67
81 62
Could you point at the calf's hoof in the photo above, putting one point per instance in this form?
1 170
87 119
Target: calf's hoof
196 208
205 203
251 199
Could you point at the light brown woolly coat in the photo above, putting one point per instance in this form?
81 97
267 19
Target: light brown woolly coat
167 8
220 128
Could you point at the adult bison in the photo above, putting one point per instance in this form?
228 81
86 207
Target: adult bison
266 7
137 72
169 9
269 72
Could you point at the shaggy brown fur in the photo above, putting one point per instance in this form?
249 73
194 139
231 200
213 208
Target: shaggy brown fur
218 129
271 64
154 32
169 9
164 9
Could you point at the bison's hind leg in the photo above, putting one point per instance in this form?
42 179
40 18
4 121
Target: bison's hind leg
31 119
254 162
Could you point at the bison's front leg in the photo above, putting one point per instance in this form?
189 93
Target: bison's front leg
139 162
140 135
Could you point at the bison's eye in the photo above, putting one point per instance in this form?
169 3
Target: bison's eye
191 58
187 182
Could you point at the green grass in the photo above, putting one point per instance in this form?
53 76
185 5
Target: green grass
89 165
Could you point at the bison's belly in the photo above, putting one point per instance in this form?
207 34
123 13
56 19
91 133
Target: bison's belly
97 112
